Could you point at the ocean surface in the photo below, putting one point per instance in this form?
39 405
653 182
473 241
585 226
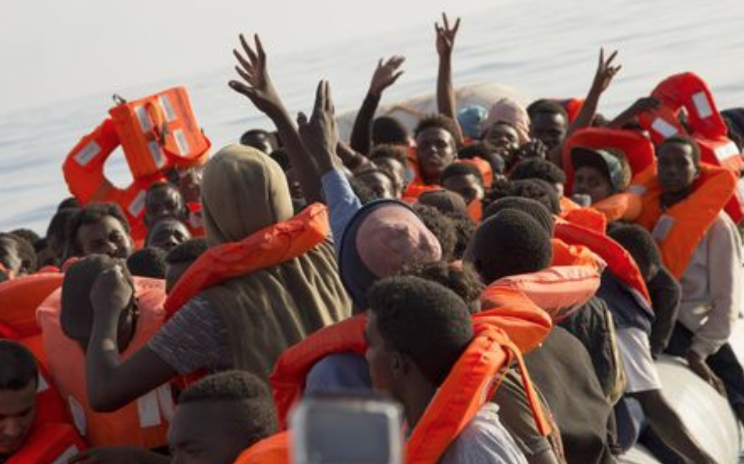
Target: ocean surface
541 48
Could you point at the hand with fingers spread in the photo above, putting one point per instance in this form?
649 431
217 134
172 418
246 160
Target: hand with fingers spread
256 84
385 75
605 71
446 36
320 134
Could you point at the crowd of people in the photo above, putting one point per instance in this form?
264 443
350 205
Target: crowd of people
509 275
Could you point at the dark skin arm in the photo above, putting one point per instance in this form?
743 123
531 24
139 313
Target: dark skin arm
670 428
602 79
119 455
320 133
385 75
639 106
446 35
256 84
111 382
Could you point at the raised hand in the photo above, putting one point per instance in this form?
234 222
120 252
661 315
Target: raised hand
446 35
605 71
256 84
111 292
385 75
320 134
644 104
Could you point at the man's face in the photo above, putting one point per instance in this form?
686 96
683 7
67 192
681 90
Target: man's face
435 151
590 181
467 186
168 234
17 412
9 255
379 183
676 168
106 237
207 433
503 137
162 203
550 128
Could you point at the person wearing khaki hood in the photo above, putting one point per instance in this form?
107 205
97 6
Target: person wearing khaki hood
267 280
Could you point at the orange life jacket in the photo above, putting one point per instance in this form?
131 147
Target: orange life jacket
572 106
617 258
271 450
157 133
49 405
19 299
689 91
587 217
470 383
267 247
508 306
484 167
49 444
575 255
143 422
475 210
679 230
417 187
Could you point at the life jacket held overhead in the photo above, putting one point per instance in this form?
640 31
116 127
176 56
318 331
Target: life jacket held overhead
157 133
688 92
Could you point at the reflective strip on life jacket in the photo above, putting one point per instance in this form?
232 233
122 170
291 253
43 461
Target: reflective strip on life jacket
679 229
268 247
84 173
159 132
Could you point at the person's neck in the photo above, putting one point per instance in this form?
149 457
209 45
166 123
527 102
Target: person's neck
669 199
416 400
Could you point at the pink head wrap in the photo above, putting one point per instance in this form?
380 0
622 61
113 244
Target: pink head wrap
511 112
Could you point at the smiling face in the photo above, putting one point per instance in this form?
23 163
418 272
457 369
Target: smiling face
17 412
435 151
503 136
106 237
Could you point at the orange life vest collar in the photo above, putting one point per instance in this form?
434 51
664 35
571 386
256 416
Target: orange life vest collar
617 258
19 299
679 229
268 247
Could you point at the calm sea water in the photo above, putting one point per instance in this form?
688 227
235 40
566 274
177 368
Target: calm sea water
541 48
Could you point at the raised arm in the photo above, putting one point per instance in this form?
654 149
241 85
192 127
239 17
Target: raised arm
638 106
602 79
111 382
384 76
445 44
320 136
258 87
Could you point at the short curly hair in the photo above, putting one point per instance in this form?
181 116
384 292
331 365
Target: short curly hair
538 169
441 226
460 278
440 121
424 320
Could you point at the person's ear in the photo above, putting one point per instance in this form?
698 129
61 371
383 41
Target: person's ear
399 365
